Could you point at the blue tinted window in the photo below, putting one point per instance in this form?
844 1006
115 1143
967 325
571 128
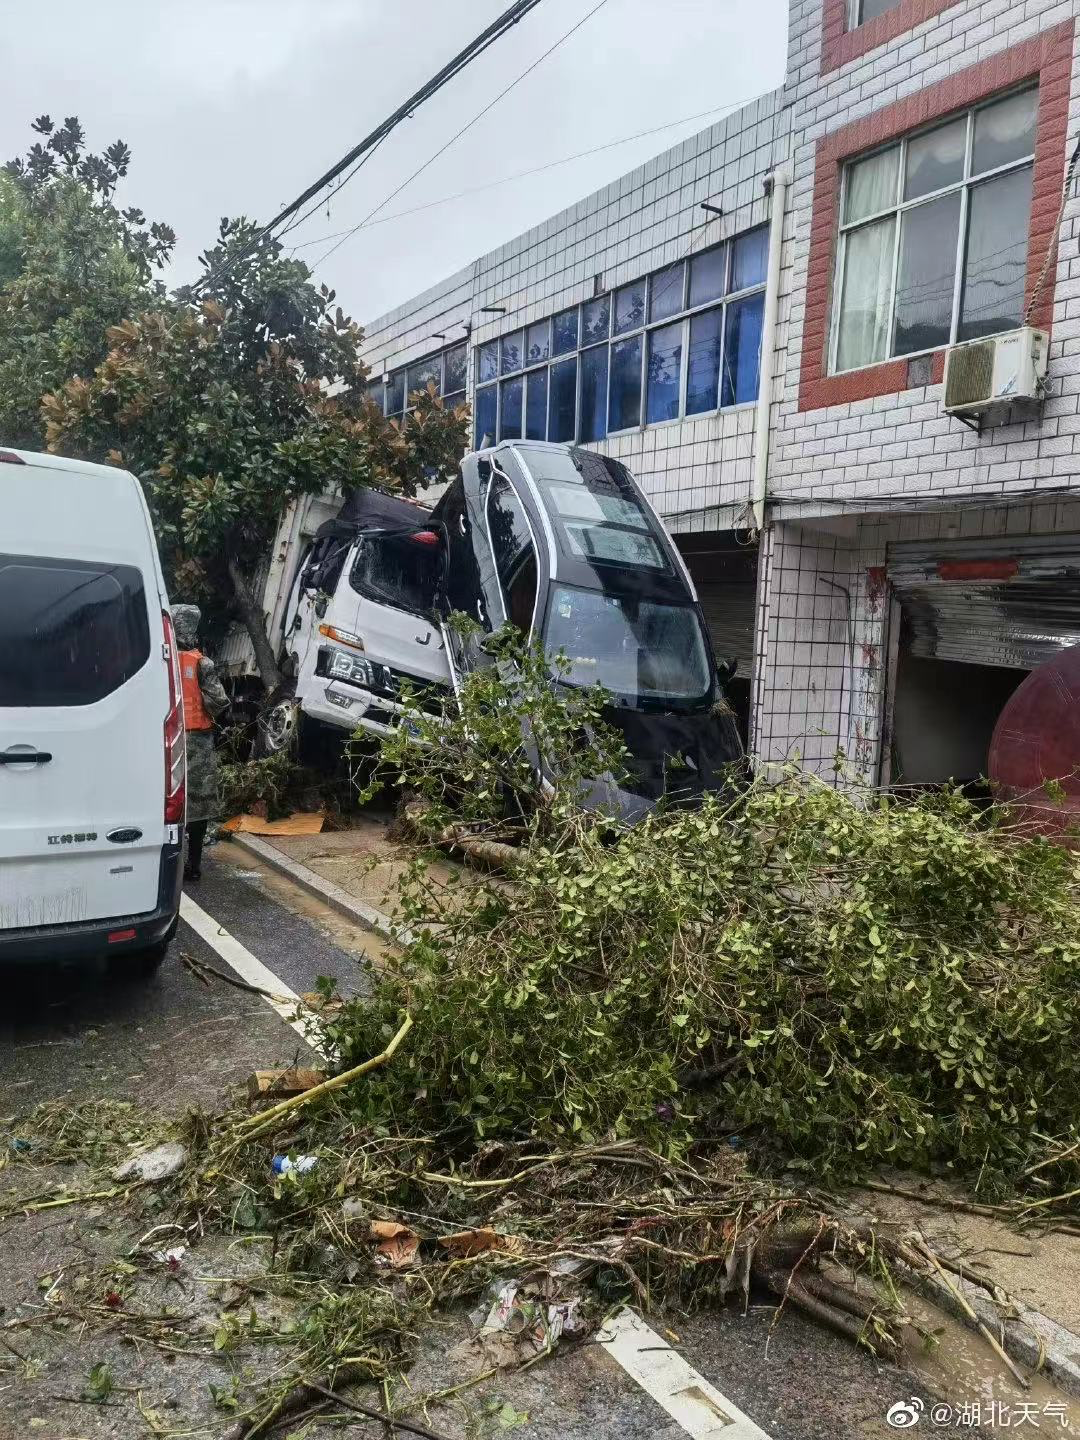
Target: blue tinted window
485 414
749 259
564 332
395 393
487 362
536 388
511 352
425 373
456 362
707 275
664 373
594 393
595 319
536 343
374 391
562 415
630 307
666 292
703 362
511 395
624 409
742 350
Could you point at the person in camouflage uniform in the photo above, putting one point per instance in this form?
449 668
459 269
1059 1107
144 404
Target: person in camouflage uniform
203 801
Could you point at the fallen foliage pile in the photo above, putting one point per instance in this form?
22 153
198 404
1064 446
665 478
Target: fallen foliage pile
855 983
618 1066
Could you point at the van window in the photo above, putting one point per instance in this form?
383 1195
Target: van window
71 632
397 570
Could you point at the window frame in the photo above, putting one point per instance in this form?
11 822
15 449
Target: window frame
896 211
855 16
681 317
390 372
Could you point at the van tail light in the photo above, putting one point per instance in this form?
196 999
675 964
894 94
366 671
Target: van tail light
8 457
175 749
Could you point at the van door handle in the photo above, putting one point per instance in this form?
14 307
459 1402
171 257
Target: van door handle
25 757
423 639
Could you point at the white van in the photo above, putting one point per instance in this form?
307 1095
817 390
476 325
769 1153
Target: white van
92 762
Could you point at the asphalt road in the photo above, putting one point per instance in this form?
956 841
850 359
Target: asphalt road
172 1042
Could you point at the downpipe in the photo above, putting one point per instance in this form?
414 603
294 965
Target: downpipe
777 183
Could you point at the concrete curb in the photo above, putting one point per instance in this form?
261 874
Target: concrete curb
1031 1338
322 889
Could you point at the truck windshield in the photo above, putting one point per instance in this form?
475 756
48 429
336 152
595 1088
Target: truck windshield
639 650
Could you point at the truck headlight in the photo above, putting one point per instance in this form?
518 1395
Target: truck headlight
353 668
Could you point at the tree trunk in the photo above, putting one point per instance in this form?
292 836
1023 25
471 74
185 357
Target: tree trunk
253 623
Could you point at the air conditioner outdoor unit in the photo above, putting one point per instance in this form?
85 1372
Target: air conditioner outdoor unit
986 378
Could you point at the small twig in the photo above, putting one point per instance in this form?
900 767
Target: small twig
410 1426
983 1329
198 967
942 1201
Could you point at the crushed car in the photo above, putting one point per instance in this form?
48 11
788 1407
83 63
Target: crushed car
554 540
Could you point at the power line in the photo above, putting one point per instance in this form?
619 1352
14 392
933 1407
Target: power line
457 136
524 174
475 47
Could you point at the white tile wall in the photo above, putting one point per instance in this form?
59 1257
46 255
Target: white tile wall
897 452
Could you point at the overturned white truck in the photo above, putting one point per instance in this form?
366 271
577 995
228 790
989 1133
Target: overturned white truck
555 540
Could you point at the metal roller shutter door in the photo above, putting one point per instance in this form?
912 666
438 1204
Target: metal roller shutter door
1013 603
726 583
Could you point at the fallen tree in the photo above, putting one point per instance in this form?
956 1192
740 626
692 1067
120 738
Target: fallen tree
625 1071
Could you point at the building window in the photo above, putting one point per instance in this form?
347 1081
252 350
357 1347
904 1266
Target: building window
934 236
860 11
446 370
683 341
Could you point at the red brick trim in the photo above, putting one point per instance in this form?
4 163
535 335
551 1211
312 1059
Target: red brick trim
1047 57
839 45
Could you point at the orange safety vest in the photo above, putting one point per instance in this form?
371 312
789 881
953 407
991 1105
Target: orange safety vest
196 715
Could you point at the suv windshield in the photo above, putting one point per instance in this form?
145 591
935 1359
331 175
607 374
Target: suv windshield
637 649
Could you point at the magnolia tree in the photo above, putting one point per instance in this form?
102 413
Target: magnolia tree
233 401
72 263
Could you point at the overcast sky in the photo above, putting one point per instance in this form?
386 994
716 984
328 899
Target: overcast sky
235 106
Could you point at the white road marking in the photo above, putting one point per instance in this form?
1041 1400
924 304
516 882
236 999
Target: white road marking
281 998
663 1373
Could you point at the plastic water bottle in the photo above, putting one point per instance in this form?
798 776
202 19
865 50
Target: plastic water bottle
281 1164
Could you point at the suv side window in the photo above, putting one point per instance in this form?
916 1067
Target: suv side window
514 552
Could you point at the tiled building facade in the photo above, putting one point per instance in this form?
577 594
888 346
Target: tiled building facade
923 146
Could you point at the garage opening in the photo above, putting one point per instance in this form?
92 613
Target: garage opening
723 565
974 619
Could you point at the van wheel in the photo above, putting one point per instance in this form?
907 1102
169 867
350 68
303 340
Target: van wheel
278 725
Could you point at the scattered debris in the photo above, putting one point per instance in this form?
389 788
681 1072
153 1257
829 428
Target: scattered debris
171 1257
283 1164
153 1165
302 823
277 1084
520 1321
397 1246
